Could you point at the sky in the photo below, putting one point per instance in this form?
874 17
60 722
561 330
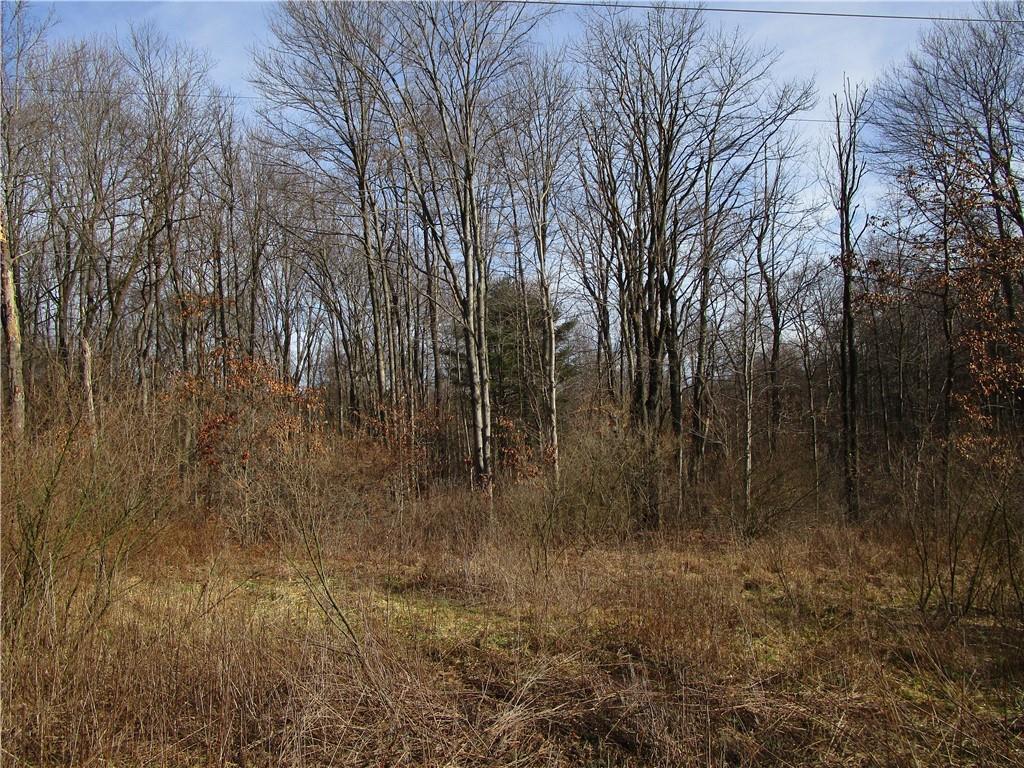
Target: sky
827 48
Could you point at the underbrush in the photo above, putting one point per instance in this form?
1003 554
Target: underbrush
261 597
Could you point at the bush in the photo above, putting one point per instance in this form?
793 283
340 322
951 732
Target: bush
966 519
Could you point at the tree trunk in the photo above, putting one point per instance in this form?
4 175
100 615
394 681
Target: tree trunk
87 389
12 335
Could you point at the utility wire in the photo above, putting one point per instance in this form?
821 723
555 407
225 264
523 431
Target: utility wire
763 11
576 4
599 4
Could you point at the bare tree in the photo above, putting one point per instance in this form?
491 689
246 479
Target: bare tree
19 124
849 115
746 112
536 167
325 109
444 68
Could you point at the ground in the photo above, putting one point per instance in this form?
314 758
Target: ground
804 648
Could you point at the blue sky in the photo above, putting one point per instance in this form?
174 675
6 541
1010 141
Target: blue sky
827 48
824 47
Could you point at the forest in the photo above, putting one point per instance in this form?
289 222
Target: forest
450 398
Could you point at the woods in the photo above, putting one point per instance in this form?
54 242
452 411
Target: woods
434 287
348 228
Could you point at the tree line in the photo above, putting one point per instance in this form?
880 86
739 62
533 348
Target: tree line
423 215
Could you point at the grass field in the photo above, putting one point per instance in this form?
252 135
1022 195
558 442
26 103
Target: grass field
796 649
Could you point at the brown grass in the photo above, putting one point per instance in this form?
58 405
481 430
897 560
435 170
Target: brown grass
368 628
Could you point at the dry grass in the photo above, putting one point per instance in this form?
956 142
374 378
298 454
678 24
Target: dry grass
406 634
789 652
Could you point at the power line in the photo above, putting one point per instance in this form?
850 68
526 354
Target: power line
762 11
610 4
